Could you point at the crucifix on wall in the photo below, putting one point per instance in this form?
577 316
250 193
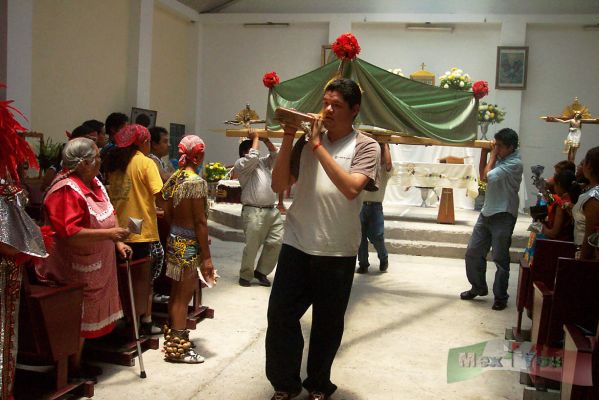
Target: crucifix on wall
575 115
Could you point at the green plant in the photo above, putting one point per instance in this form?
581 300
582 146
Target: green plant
215 171
50 154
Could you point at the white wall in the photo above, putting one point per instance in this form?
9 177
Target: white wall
234 59
562 64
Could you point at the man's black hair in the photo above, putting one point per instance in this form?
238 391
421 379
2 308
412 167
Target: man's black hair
349 90
143 120
508 136
114 122
94 124
156 132
244 147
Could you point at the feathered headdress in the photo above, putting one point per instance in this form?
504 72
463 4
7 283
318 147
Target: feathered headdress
14 150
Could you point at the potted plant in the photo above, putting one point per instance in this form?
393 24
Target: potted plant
214 172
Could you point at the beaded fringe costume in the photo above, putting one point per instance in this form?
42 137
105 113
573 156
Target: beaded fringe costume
183 250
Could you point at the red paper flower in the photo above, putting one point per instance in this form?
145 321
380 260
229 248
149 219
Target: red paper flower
270 79
346 47
480 89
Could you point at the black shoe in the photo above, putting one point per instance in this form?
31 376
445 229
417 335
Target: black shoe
470 294
362 269
499 305
244 283
262 279
384 266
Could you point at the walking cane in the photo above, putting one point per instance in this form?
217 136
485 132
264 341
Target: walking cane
142 371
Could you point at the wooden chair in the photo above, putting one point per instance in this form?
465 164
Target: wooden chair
543 269
578 373
49 331
573 300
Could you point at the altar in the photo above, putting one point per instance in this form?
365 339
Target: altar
436 175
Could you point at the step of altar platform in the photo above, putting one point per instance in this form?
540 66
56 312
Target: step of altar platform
409 230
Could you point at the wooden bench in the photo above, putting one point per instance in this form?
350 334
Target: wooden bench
49 333
573 300
578 373
543 269
119 347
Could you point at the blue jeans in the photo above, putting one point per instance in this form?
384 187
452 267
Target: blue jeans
373 229
493 231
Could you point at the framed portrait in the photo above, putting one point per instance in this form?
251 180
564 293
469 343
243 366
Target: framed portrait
143 117
512 63
326 54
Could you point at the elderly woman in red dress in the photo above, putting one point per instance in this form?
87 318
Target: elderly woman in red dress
79 210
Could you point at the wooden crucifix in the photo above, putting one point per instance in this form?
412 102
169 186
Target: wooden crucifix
575 115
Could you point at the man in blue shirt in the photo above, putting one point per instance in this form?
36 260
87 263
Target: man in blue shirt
495 225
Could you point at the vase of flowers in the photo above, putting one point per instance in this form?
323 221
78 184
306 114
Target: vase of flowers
214 172
488 114
455 78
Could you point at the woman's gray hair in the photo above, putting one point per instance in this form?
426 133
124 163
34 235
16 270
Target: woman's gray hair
78 150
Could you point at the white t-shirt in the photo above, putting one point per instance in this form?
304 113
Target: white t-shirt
321 220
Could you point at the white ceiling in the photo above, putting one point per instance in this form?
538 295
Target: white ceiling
396 6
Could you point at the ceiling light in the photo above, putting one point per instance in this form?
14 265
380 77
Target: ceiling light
430 27
255 24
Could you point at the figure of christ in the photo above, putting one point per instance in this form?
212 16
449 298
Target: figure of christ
572 142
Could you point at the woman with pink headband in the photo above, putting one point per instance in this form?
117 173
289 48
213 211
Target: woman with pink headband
187 251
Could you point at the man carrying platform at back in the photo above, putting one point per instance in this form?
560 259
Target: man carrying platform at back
262 222
373 219
495 225
320 243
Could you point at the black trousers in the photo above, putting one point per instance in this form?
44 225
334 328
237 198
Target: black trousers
302 280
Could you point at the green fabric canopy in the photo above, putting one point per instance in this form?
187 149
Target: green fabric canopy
389 101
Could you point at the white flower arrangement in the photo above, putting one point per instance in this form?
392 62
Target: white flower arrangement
396 71
455 79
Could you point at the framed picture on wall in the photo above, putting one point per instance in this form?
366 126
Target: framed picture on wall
176 133
326 54
512 63
143 117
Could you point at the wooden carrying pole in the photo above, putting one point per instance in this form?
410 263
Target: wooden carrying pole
379 137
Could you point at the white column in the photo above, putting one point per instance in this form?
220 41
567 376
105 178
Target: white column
513 33
198 103
144 64
19 42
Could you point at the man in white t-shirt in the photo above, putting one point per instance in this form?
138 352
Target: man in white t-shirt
320 243
373 219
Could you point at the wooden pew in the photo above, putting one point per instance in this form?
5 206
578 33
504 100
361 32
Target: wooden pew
543 269
578 373
573 300
119 347
49 332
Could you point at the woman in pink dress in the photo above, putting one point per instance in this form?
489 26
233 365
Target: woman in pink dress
79 210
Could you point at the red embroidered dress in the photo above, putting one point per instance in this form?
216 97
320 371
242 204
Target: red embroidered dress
71 206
